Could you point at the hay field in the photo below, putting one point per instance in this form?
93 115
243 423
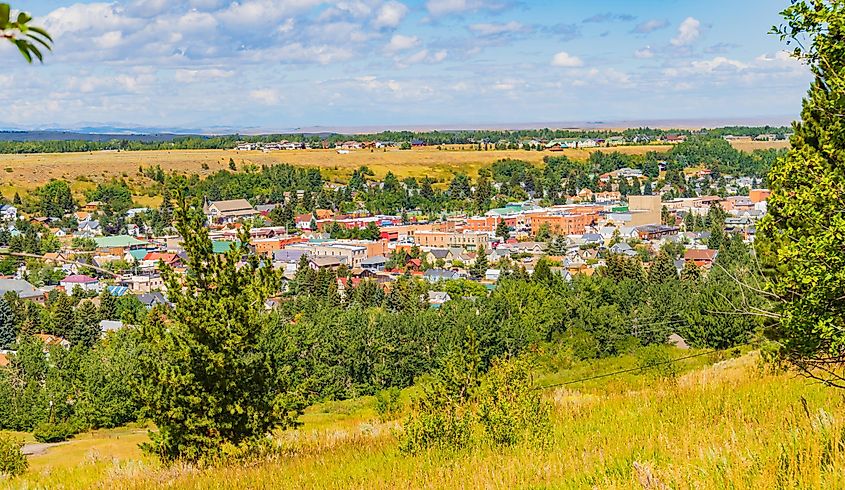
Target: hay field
27 171
749 146
24 172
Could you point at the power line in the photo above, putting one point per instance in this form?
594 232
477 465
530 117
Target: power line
606 375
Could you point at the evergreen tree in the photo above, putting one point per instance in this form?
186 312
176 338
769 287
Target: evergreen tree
662 269
207 382
108 305
479 267
8 326
502 230
85 329
62 315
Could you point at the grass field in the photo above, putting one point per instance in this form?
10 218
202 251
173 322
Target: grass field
725 425
22 173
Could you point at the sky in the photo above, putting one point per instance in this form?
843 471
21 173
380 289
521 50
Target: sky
273 65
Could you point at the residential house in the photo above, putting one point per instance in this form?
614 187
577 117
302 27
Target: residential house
8 212
701 257
438 298
86 283
23 289
374 264
437 275
229 211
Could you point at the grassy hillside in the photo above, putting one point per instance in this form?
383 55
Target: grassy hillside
717 425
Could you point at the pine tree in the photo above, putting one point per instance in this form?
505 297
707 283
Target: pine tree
62 314
85 329
207 382
502 230
479 267
108 305
662 269
8 327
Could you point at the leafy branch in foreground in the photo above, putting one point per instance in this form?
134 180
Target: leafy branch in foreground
806 220
29 39
206 380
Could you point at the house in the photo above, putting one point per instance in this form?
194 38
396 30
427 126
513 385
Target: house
22 288
374 264
8 212
438 298
110 325
492 275
89 228
325 262
152 259
437 275
143 284
229 211
701 257
435 254
152 299
86 283
118 244
52 340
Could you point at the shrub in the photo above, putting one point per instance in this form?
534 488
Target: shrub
12 460
55 431
655 362
510 410
388 405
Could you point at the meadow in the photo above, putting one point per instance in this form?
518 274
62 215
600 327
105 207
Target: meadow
721 423
22 173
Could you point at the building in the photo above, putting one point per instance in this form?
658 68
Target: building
472 240
22 288
644 210
563 224
229 211
86 283
119 244
758 195
701 257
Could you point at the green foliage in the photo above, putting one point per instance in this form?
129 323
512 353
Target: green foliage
12 460
805 224
29 39
388 403
8 325
206 382
55 431
54 199
655 361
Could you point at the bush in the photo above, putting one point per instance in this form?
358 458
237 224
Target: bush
55 432
505 410
388 404
655 362
510 410
12 460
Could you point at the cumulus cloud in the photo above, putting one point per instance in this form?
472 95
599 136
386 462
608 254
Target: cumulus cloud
566 60
688 32
401 42
650 26
644 53
192 76
390 15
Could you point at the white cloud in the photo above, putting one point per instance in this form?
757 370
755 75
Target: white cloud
566 60
191 76
439 8
109 40
492 29
265 96
390 15
400 42
688 32
644 53
651 26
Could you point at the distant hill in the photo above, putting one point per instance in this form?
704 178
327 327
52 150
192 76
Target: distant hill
86 136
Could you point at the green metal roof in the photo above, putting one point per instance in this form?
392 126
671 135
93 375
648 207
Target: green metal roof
118 241
138 254
222 246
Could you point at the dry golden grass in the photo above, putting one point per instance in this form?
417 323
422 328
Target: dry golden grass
750 146
27 171
728 425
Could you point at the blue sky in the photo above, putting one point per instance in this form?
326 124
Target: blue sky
279 64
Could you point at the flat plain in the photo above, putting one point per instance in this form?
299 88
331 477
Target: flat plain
24 172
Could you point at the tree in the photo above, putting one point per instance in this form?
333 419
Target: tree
85 329
502 230
8 326
805 222
662 269
55 199
29 39
479 267
108 305
206 381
